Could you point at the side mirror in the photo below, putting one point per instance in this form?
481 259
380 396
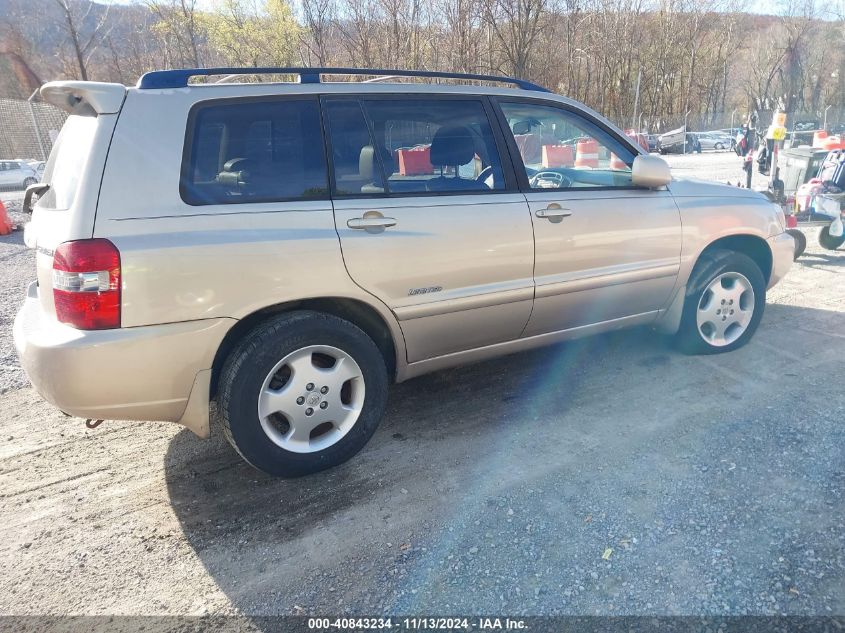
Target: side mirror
650 171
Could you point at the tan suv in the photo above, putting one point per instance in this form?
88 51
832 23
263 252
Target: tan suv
290 249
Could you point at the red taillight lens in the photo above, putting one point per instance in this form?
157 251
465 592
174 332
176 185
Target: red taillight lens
86 284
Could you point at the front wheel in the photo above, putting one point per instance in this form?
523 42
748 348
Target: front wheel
29 182
726 296
828 241
719 147
302 392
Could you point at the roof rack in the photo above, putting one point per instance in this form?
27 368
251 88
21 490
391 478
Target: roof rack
178 78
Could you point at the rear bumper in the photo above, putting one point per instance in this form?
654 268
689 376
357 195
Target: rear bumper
783 254
139 373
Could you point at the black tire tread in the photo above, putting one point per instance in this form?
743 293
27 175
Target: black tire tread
711 263
828 241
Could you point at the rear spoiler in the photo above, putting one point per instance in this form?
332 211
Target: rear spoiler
85 98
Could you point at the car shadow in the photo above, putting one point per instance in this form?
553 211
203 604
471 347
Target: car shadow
818 257
450 441
197 469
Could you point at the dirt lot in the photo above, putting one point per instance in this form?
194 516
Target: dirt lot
717 482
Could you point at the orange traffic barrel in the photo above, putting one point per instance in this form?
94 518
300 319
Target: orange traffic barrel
818 138
833 142
587 153
558 155
6 225
616 162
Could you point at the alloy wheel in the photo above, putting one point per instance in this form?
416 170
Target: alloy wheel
311 398
725 309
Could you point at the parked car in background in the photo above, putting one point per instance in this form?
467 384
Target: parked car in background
39 166
678 142
651 139
718 141
16 174
277 255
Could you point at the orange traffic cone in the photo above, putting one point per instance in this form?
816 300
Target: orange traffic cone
6 225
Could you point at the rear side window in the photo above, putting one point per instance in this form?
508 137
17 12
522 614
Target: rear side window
420 145
260 151
67 162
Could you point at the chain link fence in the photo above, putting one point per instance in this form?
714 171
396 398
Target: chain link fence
833 119
28 129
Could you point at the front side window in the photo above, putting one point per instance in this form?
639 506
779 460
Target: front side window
261 151
421 145
562 150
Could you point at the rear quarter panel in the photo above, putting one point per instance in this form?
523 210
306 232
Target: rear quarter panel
183 262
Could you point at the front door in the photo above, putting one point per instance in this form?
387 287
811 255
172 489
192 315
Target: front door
605 250
430 220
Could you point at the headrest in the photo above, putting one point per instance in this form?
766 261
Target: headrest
366 162
452 146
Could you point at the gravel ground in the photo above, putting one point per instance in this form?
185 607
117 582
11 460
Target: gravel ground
18 269
724 167
717 482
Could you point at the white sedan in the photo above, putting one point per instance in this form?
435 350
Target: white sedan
16 174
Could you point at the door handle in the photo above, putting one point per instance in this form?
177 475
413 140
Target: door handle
372 224
553 212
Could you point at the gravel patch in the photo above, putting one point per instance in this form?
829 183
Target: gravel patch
18 270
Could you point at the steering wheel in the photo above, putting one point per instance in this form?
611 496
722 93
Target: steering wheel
485 174
558 180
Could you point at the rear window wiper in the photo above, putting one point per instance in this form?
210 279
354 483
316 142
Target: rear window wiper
38 189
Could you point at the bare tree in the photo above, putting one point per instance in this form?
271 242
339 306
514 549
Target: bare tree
319 20
83 45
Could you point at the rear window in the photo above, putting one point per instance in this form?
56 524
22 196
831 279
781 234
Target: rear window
260 151
67 162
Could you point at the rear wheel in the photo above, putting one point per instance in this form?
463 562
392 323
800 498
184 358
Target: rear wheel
828 241
302 392
726 296
719 147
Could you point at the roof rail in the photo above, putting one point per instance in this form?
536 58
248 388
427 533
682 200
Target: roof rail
178 78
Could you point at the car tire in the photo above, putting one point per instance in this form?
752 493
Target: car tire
725 300
800 242
28 182
828 241
260 374
718 147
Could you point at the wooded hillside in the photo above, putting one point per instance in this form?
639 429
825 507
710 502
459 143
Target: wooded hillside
705 57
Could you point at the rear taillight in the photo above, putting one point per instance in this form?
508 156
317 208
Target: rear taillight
86 284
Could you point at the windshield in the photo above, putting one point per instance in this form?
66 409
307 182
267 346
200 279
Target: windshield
67 162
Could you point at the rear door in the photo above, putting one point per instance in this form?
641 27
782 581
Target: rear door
605 250
429 218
